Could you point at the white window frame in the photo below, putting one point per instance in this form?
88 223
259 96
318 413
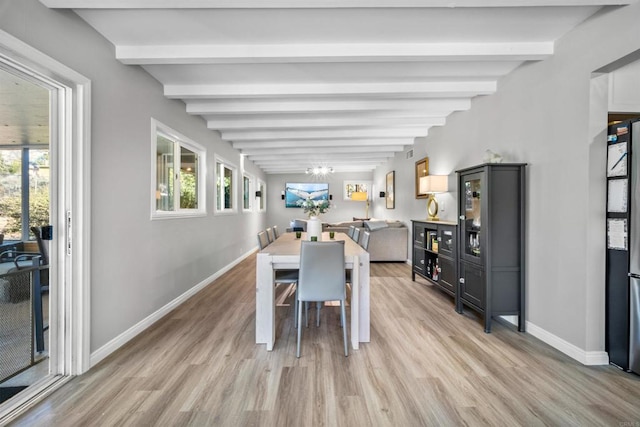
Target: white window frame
262 187
158 128
252 190
234 186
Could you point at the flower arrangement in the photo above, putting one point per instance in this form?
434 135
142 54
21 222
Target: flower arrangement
314 207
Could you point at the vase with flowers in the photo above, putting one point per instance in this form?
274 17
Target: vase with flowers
313 208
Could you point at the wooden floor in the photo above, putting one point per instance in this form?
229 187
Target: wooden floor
425 365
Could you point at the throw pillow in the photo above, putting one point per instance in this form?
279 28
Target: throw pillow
375 225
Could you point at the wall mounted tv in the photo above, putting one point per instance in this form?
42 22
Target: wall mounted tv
302 191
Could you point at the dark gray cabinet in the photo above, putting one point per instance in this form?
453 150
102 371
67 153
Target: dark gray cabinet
435 254
491 231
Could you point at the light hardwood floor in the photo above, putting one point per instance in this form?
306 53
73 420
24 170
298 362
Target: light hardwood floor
425 365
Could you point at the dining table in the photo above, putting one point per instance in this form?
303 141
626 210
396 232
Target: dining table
284 254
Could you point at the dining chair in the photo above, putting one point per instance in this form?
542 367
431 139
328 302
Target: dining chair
356 235
352 228
322 278
276 234
365 240
270 235
282 277
263 240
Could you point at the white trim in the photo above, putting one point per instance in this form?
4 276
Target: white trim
234 186
159 128
145 323
589 358
70 338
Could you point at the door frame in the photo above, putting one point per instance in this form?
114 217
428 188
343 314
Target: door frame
70 250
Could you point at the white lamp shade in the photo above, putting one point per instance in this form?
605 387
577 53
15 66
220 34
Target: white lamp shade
432 184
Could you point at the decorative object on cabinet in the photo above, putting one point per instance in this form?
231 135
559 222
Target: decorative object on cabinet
435 255
422 169
362 196
390 194
432 185
491 227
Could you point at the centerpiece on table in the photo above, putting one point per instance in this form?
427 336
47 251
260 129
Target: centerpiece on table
313 208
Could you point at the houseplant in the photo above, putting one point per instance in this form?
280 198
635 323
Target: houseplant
313 208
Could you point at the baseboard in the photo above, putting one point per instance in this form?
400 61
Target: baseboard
139 327
590 358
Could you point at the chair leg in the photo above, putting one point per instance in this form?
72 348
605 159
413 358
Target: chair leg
343 316
299 328
295 309
318 306
306 314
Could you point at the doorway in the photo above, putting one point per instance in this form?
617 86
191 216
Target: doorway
52 149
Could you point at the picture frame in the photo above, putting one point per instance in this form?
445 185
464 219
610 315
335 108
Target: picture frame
300 191
422 169
390 199
349 187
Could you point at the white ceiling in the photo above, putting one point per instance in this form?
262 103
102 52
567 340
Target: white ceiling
294 84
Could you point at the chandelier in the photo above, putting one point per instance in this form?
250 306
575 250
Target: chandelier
319 170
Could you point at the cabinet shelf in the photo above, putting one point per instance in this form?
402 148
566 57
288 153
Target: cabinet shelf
434 254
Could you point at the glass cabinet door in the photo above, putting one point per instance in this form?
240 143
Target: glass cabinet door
471 222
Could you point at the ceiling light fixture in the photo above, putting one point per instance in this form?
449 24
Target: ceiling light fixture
319 170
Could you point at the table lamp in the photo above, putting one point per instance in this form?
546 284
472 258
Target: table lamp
361 196
431 185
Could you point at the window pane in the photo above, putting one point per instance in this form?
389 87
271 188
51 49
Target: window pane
245 192
228 188
188 179
11 194
38 188
164 178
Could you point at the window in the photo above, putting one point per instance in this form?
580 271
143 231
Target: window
179 173
262 188
225 186
247 187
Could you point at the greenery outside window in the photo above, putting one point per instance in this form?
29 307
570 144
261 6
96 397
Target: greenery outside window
179 171
225 187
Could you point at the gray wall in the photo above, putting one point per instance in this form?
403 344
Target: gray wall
541 115
341 210
138 265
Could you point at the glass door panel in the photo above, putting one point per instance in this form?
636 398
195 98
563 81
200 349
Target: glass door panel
472 224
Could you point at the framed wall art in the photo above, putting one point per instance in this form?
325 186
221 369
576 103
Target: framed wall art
390 192
422 169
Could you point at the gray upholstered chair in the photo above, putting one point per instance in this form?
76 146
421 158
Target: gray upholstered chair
270 235
356 235
276 234
263 240
352 228
322 278
365 240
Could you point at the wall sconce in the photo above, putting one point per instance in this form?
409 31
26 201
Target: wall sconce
431 185
383 194
330 196
282 195
361 196
258 193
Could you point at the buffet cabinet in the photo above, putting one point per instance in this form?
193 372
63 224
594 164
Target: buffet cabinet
491 243
435 254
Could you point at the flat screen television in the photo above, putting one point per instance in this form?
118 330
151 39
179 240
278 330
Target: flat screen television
295 191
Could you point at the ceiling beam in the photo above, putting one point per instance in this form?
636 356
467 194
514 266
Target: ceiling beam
331 52
315 4
292 105
320 143
323 155
440 89
308 150
323 133
287 123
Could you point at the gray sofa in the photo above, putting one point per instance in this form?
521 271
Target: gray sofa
388 239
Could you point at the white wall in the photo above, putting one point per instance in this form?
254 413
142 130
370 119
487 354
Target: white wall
541 115
138 265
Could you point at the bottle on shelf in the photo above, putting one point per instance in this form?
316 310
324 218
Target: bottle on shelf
436 271
429 268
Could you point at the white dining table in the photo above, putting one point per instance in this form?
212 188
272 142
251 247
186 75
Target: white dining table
284 254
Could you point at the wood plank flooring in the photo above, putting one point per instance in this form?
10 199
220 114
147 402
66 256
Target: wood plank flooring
425 365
